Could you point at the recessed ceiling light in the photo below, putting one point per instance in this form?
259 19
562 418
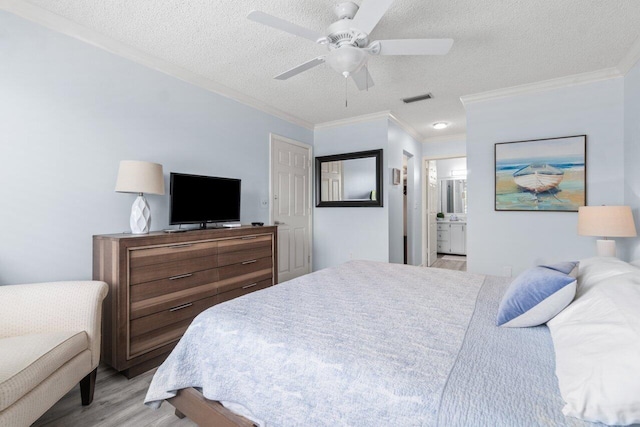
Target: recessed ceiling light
440 125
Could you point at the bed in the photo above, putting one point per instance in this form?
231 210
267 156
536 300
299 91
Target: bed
364 344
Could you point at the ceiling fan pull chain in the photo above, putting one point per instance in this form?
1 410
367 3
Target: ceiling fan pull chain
346 103
366 68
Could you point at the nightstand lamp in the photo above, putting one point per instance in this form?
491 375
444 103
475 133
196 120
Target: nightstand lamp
606 221
140 177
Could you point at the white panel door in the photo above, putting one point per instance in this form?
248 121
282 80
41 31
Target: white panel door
291 205
432 210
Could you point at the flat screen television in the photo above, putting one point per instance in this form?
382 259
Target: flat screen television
197 199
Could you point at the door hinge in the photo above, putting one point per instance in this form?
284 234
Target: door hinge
309 259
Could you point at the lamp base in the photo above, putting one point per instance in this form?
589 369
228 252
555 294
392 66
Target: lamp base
606 248
140 220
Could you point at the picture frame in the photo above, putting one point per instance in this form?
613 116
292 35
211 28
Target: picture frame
396 176
541 174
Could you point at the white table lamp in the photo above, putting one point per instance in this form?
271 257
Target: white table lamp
606 221
140 177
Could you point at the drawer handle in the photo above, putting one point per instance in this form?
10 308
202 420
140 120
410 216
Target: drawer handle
181 276
250 286
180 307
250 262
186 245
249 237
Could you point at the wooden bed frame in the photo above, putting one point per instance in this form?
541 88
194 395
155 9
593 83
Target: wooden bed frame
190 403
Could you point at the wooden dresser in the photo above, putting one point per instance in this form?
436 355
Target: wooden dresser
158 282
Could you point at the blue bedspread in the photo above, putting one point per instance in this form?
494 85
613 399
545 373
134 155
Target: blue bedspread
503 376
368 344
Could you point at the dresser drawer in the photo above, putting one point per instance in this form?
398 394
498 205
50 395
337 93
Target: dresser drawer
167 270
175 314
168 253
173 284
443 227
237 282
245 267
244 255
164 302
246 289
244 243
157 338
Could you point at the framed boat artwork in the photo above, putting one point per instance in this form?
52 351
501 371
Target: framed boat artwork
541 174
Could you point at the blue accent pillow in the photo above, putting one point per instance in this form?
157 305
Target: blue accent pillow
569 267
535 297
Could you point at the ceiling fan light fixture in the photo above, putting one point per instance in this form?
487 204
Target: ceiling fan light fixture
440 125
347 60
347 40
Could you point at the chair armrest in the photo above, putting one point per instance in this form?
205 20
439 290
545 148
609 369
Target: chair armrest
55 306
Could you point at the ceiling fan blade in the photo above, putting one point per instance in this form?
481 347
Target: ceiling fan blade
362 79
281 24
415 47
300 68
369 14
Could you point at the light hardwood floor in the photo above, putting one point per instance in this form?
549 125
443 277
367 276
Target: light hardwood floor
117 402
450 264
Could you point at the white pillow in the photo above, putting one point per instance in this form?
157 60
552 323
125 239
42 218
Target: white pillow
597 345
594 270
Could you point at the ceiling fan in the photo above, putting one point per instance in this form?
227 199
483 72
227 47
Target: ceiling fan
348 40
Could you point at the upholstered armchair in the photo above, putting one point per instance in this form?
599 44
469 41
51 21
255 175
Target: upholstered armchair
49 342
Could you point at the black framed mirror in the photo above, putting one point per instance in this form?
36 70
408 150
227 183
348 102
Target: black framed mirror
349 180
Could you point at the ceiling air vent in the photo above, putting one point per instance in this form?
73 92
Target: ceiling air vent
417 98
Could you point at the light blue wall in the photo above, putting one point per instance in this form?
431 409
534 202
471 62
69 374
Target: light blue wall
632 152
341 234
401 143
444 149
523 239
70 112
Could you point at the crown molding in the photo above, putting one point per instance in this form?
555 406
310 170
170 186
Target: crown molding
65 26
545 85
369 117
446 138
631 58
407 128
353 120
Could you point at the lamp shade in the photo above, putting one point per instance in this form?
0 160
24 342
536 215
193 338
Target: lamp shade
606 221
140 177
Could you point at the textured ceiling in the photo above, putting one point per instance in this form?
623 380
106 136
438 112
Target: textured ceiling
497 44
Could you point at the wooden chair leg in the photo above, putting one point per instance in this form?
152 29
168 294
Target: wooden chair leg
87 385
